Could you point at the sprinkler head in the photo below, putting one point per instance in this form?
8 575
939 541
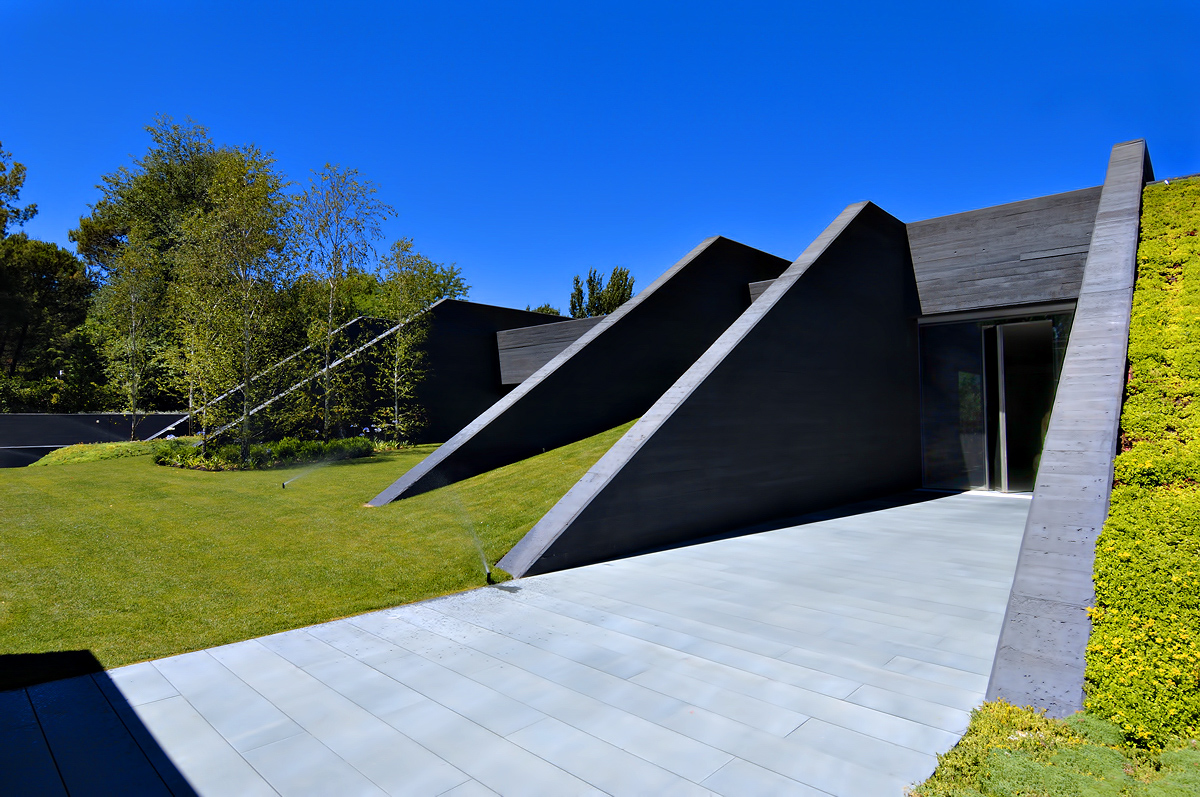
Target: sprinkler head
284 485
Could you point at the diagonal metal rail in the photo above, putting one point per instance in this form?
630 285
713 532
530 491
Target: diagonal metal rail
310 378
238 387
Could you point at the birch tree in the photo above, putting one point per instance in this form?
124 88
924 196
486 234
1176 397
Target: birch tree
410 283
128 308
235 262
338 220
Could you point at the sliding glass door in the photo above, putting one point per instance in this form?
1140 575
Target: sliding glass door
987 389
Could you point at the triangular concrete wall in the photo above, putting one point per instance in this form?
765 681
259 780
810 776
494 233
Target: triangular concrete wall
809 400
610 375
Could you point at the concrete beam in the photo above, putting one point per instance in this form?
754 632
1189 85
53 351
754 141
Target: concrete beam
1040 656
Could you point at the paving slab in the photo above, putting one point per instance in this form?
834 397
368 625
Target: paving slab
837 657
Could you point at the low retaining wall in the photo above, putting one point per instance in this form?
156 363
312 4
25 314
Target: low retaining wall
26 437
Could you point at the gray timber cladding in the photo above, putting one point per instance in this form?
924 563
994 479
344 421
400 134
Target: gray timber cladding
1019 253
1040 656
524 351
463 376
808 400
610 375
757 288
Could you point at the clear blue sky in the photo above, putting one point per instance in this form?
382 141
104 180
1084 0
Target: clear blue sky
529 141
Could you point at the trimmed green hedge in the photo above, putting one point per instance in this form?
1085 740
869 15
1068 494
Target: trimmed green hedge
1143 665
288 451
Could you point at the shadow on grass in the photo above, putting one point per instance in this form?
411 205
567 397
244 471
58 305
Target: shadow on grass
65 728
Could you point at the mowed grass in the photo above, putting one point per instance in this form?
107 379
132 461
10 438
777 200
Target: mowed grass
94 452
134 561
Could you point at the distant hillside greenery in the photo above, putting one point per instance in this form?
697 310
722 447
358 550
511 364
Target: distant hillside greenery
1141 715
1143 668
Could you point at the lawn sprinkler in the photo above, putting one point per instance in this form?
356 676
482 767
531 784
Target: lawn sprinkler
306 471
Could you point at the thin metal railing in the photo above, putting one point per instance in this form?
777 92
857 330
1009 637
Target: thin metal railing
313 376
188 416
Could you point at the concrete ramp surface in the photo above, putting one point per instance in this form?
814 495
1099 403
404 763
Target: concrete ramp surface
834 657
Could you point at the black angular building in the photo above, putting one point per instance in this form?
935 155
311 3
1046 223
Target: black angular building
980 350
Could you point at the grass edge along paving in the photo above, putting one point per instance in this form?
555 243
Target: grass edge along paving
134 561
1017 752
1143 657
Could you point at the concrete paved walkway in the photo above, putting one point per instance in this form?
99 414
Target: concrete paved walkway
835 657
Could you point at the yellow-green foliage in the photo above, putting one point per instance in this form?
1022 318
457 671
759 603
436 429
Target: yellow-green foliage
1017 752
1143 669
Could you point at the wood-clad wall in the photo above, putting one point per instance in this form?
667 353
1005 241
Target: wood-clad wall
1019 253
524 351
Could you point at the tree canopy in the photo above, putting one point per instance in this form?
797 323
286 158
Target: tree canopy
600 299
44 296
338 219
12 180
206 280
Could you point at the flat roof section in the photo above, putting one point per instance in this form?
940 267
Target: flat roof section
1040 660
1017 253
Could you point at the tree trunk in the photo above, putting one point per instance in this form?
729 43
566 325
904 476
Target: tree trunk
134 372
328 348
396 394
246 379
12 366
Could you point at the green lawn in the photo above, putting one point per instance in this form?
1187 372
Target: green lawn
135 561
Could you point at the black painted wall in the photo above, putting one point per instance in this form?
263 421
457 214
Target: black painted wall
809 400
27 437
612 374
463 368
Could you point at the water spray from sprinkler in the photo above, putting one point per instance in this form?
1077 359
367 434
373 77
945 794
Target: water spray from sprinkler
487 571
469 524
307 471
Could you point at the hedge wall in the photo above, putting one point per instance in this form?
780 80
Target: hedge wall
1143 659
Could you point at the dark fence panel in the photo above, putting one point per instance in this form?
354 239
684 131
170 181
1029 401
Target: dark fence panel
26 437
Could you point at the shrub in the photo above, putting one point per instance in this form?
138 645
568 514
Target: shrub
1143 665
1010 752
288 451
